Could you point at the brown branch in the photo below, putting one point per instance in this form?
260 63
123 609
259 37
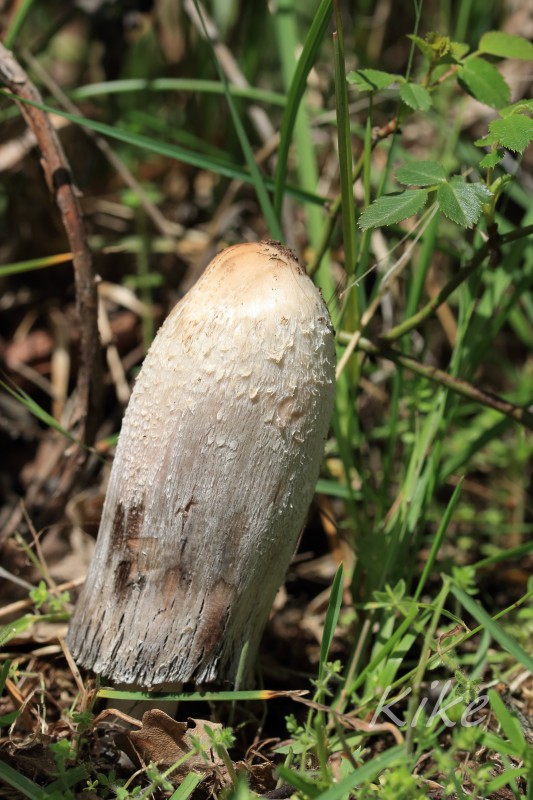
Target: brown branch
492 245
82 418
519 413
59 180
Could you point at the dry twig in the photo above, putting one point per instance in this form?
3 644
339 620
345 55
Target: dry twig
81 417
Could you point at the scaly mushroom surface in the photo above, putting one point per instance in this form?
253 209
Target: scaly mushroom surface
213 475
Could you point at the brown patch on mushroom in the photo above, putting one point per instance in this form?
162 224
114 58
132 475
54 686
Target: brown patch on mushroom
288 254
126 526
170 585
122 576
214 617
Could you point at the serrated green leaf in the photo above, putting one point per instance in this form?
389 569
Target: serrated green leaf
393 208
521 106
483 81
482 191
372 80
487 141
415 96
459 50
514 132
421 173
422 45
506 45
462 202
491 160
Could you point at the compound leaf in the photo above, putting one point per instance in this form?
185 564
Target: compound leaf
421 173
415 96
372 80
521 106
514 132
492 159
462 202
506 45
393 208
483 81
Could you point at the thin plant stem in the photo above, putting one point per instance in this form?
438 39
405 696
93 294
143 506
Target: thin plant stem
518 413
460 277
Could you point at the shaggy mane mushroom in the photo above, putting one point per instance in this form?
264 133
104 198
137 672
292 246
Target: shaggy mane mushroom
214 472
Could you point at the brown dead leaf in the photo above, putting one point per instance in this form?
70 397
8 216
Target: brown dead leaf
31 755
164 741
259 777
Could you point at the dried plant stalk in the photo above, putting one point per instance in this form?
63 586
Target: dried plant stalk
213 475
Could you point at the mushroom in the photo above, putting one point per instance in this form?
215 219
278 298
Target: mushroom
214 472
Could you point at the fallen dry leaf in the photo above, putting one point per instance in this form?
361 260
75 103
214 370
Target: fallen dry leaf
164 741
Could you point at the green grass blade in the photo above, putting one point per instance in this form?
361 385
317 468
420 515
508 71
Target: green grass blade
305 786
8 719
387 648
33 264
435 547
257 178
70 778
23 785
364 774
19 17
184 697
146 143
176 85
513 552
345 150
38 412
4 672
471 449
294 97
332 617
510 774
363 254
334 489
187 786
12 629
495 630
308 173
510 725
22 624
493 742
